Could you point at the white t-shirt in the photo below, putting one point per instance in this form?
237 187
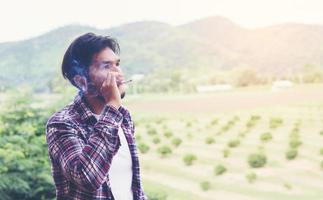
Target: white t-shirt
120 173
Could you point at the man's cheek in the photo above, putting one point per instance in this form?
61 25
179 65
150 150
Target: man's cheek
101 76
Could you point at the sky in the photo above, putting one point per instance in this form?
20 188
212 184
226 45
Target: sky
21 19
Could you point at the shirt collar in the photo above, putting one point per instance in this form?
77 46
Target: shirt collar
83 108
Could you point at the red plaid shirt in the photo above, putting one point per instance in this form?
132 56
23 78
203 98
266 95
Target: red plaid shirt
81 149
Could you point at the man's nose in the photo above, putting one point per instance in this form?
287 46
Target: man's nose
116 68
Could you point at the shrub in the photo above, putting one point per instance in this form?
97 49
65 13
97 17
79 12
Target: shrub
236 118
321 132
322 164
321 151
233 143
24 163
288 186
294 143
291 154
251 177
242 134
231 122
151 131
295 130
205 185
255 117
164 150
159 120
275 123
189 158
225 128
226 153
214 122
209 140
168 134
156 140
143 148
188 124
219 170
164 127
156 195
176 141
138 136
265 137
257 160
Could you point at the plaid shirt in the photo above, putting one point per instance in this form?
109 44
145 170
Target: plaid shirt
81 150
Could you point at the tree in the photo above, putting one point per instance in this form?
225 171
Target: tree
24 164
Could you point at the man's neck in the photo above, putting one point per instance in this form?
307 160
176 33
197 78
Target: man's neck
96 104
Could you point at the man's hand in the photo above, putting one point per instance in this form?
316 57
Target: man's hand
110 91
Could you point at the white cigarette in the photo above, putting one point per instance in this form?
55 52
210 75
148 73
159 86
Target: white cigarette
127 81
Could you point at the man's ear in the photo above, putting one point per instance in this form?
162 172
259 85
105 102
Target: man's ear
80 81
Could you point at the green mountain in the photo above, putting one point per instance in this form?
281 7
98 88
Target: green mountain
212 43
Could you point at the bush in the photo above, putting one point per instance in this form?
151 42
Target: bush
156 195
138 137
255 117
156 140
291 154
287 185
251 177
265 137
176 141
164 150
188 124
233 143
226 153
322 164
294 143
214 122
236 118
219 170
242 134
143 148
275 123
168 134
24 164
257 160
189 158
209 140
225 128
321 151
151 131
295 130
205 185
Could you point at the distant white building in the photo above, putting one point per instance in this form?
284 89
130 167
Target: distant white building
137 77
281 85
214 88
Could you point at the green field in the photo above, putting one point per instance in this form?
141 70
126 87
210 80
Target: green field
191 146
287 116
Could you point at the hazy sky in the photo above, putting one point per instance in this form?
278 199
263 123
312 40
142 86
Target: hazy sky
21 19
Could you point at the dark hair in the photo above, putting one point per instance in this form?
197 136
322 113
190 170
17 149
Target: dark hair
79 55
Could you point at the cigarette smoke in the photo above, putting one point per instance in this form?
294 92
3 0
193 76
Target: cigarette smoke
85 85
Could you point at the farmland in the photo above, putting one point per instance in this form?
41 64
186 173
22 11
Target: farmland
218 133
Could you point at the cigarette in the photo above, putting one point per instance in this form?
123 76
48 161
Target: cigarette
127 81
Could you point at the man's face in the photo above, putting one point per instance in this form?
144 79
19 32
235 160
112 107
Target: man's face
104 62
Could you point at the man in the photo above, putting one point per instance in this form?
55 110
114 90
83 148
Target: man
91 141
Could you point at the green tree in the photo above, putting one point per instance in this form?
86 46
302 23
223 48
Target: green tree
24 164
